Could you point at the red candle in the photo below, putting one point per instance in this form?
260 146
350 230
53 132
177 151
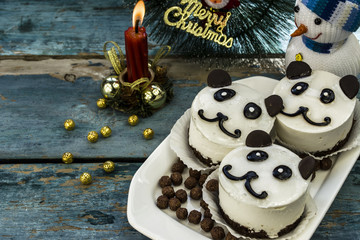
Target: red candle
136 46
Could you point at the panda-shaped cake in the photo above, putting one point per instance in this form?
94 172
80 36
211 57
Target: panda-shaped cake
223 113
263 187
318 111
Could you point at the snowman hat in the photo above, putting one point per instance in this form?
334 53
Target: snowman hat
343 13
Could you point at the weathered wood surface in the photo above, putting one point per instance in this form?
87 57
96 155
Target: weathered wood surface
47 201
34 108
61 27
58 27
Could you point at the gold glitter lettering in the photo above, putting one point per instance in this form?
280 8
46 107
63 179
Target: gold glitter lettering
211 29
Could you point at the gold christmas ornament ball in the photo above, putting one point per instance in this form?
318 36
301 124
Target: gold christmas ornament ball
85 178
154 96
67 158
133 120
110 87
148 133
69 124
105 131
92 136
109 166
101 103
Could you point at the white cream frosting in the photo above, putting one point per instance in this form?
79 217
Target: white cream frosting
303 136
285 201
207 138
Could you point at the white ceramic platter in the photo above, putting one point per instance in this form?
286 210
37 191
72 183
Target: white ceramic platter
147 218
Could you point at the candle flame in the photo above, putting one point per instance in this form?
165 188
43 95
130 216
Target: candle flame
139 12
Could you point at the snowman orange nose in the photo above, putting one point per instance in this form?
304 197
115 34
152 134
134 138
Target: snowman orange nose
299 31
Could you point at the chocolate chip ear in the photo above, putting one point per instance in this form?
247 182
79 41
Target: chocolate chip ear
297 70
350 86
274 105
218 78
307 167
258 138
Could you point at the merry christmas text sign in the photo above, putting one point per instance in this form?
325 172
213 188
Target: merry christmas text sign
210 27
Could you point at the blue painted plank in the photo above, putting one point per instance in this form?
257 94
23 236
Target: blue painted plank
34 108
69 27
47 201
61 27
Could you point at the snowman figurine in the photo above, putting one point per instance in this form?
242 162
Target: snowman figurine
324 36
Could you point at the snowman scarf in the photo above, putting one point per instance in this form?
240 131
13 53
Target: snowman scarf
321 47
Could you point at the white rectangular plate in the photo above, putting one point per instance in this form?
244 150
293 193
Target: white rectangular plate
147 218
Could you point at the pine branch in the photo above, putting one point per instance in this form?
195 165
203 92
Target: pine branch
257 27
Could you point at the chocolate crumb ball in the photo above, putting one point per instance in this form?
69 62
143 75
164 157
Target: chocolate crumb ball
207 213
174 204
325 164
164 181
207 224
190 182
168 191
194 217
217 233
203 204
212 185
162 202
176 178
178 167
196 193
181 195
229 236
182 213
194 173
202 179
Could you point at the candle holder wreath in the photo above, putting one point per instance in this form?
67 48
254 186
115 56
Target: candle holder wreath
140 86
141 97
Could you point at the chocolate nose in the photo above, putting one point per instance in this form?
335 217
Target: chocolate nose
299 31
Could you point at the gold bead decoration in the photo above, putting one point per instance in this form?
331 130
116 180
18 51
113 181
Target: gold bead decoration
110 87
69 124
101 103
299 57
148 133
85 178
67 158
92 136
154 96
105 131
133 120
109 166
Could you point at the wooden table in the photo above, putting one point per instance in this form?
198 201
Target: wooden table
51 68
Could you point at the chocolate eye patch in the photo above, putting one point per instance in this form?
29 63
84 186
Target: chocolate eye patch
224 94
252 111
257 156
327 96
282 172
299 88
